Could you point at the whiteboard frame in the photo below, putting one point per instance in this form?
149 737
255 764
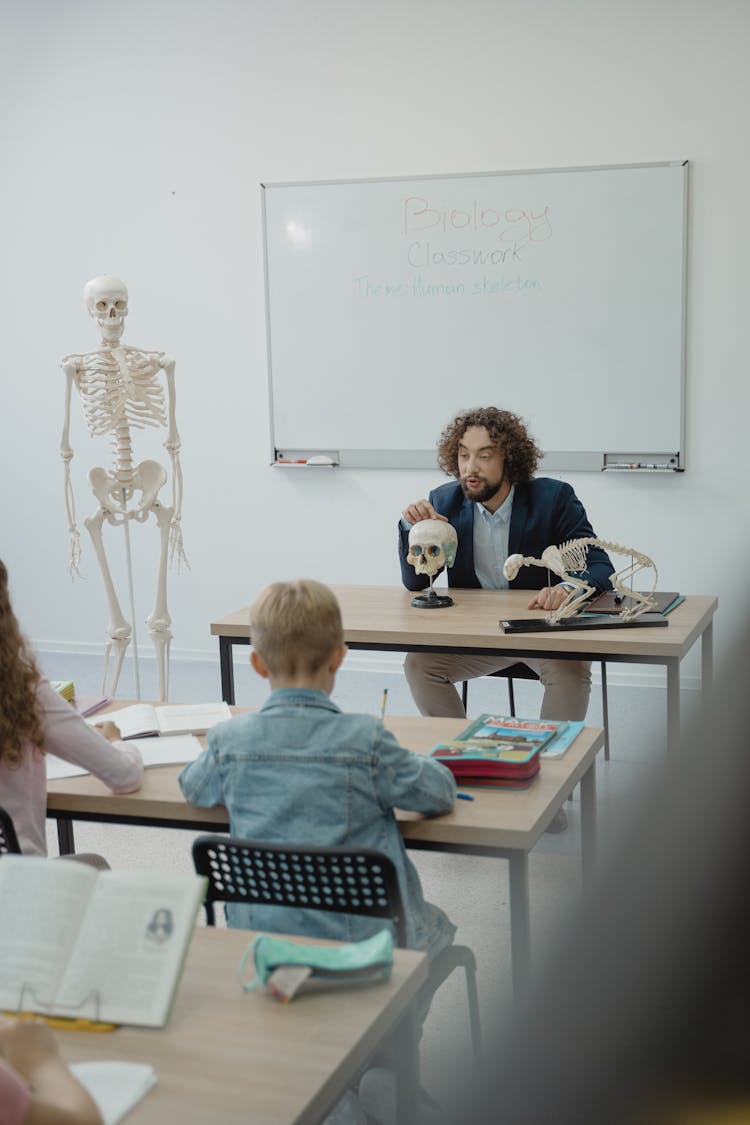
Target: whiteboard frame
655 461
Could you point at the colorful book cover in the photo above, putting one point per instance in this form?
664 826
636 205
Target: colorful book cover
65 688
488 729
508 739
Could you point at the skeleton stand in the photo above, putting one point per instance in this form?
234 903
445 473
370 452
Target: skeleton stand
431 600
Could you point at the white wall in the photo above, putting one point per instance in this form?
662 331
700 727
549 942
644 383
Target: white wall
134 143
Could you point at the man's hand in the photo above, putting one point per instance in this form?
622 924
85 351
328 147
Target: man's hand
422 510
550 597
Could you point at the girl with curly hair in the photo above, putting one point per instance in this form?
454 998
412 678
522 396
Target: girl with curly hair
35 719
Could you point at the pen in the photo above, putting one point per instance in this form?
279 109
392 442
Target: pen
464 796
383 702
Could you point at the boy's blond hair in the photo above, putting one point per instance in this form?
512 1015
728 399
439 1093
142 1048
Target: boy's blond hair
295 626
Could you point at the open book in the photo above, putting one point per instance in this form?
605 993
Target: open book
93 945
142 720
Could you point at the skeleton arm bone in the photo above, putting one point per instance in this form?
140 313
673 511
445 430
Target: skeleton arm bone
66 452
172 445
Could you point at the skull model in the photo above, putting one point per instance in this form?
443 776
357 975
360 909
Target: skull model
106 299
432 545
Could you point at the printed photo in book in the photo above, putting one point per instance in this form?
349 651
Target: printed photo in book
97 945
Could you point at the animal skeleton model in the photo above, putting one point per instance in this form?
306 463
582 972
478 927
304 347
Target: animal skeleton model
120 391
572 557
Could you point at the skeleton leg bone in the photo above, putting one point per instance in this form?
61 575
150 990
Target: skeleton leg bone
118 629
159 621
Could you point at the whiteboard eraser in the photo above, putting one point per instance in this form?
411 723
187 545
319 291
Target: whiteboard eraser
321 459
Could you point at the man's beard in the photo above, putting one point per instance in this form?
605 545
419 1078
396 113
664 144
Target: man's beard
485 491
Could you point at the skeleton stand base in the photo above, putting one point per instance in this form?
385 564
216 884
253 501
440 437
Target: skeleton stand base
431 600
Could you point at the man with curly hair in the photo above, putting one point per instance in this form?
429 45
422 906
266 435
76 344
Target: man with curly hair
499 508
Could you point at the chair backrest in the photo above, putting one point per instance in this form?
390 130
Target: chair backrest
343 880
8 839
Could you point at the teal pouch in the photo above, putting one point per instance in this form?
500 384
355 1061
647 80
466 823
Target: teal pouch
281 963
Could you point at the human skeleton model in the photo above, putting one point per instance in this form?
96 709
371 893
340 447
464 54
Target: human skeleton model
120 391
571 557
432 545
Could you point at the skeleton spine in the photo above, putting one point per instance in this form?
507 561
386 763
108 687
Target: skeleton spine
123 454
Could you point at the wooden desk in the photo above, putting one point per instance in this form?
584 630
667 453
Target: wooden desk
501 824
382 617
227 1056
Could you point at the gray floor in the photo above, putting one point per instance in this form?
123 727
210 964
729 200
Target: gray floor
473 891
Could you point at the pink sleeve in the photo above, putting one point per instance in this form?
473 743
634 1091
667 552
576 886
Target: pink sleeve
68 736
14 1096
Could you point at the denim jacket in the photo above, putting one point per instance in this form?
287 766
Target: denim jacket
300 771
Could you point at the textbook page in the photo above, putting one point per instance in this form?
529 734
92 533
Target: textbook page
43 902
142 720
175 750
132 943
191 718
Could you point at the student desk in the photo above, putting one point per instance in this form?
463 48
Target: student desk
227 1056
496 823
382 617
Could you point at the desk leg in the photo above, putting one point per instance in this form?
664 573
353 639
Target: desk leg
588 825
407 1070
707 660
673 707
65 840
605 709
520 926
227 669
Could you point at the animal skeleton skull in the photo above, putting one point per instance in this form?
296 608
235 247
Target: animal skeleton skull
432 545
121 392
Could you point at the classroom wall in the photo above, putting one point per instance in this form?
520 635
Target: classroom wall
134 142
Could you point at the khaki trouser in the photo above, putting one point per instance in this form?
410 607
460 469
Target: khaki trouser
431 676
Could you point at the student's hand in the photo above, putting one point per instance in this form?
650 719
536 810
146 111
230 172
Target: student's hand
57 1098
27 1045
421 510
111 731
550 597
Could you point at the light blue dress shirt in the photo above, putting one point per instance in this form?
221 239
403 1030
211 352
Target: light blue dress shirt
491 536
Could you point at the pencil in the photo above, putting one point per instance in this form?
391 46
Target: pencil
383 702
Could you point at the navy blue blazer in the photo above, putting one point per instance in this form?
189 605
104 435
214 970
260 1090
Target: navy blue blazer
545 513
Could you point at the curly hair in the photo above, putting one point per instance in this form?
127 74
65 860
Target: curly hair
507 431
20 720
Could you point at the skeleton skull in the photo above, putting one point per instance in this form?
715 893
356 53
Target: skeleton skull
432 545
106 299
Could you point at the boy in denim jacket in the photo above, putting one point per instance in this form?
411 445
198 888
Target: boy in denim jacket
300 771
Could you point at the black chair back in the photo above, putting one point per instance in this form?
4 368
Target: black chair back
345 880
8 840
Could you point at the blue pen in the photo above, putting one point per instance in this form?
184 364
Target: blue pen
464 796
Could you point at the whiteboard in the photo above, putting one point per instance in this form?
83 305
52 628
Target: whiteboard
393 304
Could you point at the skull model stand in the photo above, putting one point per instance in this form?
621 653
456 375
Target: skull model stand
120 391
571 556
432 545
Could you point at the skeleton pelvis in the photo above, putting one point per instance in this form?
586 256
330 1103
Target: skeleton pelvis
113 494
